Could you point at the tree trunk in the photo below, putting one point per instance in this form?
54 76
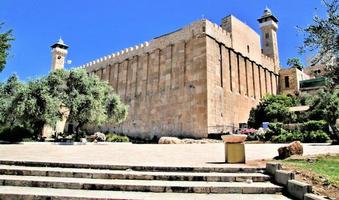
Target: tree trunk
77 131
39 127
335 133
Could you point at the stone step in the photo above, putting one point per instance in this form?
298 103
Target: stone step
130 174
228 169
141 185
29 193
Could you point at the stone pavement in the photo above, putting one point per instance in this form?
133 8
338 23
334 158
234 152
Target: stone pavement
205 155
81 194
137 171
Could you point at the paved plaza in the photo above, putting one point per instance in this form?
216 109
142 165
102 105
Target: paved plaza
138 171
209 155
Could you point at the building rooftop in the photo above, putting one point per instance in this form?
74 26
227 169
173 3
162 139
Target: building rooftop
60 43
267 15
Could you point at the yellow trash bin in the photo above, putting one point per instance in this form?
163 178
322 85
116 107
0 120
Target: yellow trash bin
235 153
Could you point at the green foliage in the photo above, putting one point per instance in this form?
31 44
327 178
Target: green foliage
315 136
311 131
5 39
295 62
90 100
288 137
85 97
116 110
279 138
30 105
322 166
325 106
294 136
82 98
15 134
322 37
274 130
272 108
9 112
37 106
314 125
112 137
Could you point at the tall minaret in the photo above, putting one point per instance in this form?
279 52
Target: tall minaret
59 52
269 43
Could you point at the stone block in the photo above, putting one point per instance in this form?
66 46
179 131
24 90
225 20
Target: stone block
271 168
310 196
181 84
298 189
282 177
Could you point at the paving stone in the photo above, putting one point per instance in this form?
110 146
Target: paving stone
310 196
282 177
298 189
25 193
271 167
176 155
135 185
221 169
137 175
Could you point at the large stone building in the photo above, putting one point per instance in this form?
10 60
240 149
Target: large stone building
201 79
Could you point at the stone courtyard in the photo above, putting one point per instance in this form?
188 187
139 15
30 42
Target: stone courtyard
143 171
179 155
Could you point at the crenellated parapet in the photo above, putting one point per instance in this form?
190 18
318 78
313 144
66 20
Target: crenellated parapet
193 30
196 29
116 57
218 33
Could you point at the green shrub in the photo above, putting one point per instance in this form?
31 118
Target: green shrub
274 129
275 126
293 136
112 137
15 134
311 131
287 137
316 136
279 138
314 125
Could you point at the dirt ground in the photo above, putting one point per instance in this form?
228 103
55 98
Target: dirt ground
321 186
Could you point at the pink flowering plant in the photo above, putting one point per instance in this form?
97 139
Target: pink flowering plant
250 132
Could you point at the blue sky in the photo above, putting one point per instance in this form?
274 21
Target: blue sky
94 28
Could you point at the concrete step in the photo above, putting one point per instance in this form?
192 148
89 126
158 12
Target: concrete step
141 185
32 193
132 175
223 169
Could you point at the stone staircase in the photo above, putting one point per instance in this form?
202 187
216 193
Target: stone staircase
43 180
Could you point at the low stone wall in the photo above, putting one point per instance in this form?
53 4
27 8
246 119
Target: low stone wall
297 189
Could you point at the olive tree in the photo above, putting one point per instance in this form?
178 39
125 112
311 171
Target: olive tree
325 106
88 99
83 99
8 92
5 39
322 38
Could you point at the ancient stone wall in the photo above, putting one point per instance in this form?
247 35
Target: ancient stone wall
191 82
163 82
235 84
